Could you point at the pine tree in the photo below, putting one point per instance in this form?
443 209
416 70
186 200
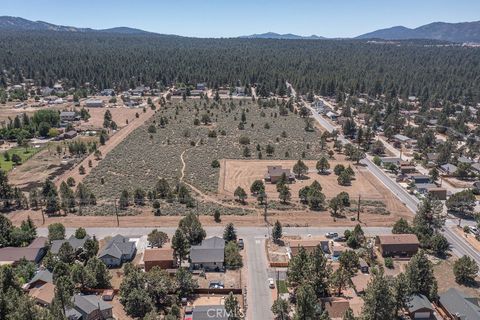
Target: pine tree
230 234
277 231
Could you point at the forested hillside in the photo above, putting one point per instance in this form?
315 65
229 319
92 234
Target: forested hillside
122 61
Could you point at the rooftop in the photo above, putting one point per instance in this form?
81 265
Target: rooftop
398 239
162 254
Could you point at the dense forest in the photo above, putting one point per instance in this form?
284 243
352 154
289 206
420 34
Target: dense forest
415 68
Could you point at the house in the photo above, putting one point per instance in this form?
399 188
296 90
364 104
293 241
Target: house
117 251
408 169
432 157
67 116
89 307
43 295
162 257
94 103
41 288
402 139
360 282
240 91
438 193
419 307
76 244
33 253
460 306
39 279
420 178
448 168
335 306
476 166
390 160
274 173
464 159
107 92
70 134
332 115
424 187
209 255
213 312
397 244
309 245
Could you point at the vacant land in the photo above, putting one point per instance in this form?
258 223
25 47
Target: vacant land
147 154
119 114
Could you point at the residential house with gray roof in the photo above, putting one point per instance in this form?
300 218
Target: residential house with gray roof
89 307
117 251
76 244
419 307
460 306
209 255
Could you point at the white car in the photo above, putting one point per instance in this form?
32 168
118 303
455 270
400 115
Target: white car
271 283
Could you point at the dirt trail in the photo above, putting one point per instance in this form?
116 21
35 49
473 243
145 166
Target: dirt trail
111 143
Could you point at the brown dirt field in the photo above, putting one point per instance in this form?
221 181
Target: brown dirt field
119 115
109 146
446 279
234 173
36 169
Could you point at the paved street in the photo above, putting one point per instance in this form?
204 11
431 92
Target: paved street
459 246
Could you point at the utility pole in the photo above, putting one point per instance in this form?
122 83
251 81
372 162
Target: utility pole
358 209
116 212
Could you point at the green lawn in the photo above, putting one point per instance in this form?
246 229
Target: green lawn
282 286
24 155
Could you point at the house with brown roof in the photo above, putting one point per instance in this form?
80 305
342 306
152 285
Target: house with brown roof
403 245
309 245
360 282
162 257
43 295
335 306
33 253
274 173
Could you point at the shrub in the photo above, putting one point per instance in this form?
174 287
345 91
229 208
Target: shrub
389 263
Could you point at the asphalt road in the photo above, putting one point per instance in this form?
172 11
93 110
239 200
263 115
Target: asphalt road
458 245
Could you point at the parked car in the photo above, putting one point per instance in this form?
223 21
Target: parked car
331 235
271 283
473 229
216 284
241 244
340 239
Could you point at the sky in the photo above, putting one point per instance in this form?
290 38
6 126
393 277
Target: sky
227 18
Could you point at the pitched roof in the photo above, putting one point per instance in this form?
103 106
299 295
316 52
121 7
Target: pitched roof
277 171
360 281
398 239
89 303
418 302
30 253
457 303
336 307
162 254
448 167
43 294
74 242
216 312
211 250
118 246
42 275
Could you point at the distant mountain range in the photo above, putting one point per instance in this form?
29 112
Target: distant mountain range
288 36
20 24
454 32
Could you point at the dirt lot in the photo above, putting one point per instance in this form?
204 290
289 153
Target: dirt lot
234 173
120 115
446 279
230 279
